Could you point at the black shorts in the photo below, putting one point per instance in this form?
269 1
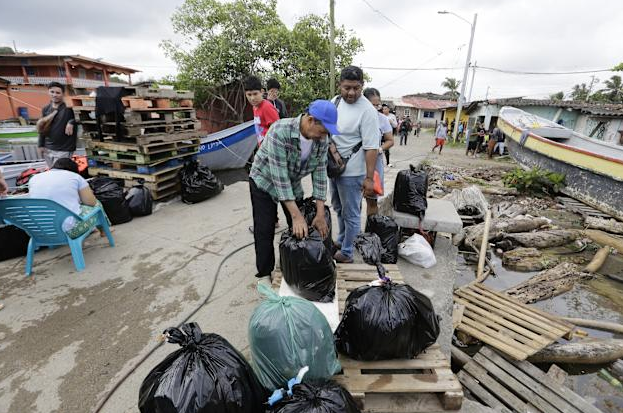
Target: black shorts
472 145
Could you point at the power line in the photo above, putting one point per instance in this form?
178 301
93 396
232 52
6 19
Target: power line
520 72
411 70
396 24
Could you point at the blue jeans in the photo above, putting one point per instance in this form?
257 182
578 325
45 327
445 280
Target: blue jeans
346 196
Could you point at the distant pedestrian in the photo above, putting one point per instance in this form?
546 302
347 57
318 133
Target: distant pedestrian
418 126
391 117
460 135
491 142
500 138
57 138
480 137
274 87
441 134
405 127
472 142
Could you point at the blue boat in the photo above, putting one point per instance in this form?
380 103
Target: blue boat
230 148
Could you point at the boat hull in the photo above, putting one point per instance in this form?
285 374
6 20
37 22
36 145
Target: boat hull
228 149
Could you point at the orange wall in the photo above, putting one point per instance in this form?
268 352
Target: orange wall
36 96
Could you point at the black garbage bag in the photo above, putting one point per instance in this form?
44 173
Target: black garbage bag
139 200
13 242
109 191
316 396
410 191
308 209
198 183
307 266
371 250
388 231
207 375
386 321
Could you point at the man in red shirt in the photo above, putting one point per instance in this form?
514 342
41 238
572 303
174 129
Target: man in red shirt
264 113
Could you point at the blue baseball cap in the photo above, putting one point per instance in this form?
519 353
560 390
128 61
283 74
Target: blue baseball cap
326 113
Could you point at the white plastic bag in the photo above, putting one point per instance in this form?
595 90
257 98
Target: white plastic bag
417 251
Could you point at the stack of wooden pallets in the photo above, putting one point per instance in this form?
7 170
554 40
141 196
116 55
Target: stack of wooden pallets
158 133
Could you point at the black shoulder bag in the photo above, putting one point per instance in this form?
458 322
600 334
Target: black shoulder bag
336 164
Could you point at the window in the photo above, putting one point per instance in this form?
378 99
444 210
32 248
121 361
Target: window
98 75
61 71
82 74
428 114
30 71
407 112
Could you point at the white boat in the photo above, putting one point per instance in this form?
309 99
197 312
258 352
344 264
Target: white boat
593 168
230 148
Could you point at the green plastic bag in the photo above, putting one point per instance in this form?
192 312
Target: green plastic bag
286 334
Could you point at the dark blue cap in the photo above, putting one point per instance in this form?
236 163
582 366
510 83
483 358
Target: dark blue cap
326 113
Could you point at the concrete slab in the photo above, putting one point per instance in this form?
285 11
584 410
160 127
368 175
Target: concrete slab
441 216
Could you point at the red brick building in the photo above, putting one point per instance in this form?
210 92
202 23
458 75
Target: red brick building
24 77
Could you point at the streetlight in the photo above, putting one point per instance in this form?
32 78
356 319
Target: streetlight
467 61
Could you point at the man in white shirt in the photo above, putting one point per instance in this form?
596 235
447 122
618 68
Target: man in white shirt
359 142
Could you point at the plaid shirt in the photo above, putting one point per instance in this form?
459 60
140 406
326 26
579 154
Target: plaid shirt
277 165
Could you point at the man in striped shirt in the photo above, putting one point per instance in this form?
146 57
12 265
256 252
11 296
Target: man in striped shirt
292 149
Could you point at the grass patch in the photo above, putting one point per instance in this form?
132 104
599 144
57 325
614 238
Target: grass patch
18 135
534 181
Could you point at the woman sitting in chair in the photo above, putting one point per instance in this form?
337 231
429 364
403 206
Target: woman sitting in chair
63 185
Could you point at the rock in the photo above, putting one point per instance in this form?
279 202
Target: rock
527 259
543 239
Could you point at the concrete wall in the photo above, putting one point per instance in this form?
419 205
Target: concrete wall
32 97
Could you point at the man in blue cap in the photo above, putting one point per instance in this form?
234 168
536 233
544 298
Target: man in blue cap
292 149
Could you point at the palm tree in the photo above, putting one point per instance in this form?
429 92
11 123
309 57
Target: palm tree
452 85
557 96
614 89
580 92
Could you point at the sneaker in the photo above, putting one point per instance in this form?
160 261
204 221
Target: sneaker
266 280
342 259
390 165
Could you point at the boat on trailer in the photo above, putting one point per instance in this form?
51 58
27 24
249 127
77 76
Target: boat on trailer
593 168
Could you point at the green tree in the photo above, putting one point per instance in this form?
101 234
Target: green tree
618 68
223 43
6 50
452 85
304 70
580 92
613 89
557 96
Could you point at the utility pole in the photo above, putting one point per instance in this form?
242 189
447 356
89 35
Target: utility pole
14 47
590 87
332 47
462 96
471 86
487 94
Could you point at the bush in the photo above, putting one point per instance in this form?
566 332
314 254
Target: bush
535 181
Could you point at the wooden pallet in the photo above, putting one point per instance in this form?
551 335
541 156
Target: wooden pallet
136 102
144 140
132 155
581 208
128 132
422 384
149 148
505 323
161 184
150 168
508 385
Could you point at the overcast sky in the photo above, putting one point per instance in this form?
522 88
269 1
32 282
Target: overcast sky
535 35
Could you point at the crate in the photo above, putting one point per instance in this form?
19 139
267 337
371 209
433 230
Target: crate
152 168
135 154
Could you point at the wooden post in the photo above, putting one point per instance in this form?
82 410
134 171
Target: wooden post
105 72
25 75
68 78
332 47
483 247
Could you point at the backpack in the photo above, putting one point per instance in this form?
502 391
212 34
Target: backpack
336 164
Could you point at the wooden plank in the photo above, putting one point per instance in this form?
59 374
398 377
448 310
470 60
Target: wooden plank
560 391
491 337
514 324
481 393
554 321
538 387
503 330
509 381
493 386
398 383
509 313
551 324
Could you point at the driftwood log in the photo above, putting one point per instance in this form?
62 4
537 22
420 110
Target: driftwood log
528 259
581 352
484 246
539 239
602 238
499 227
507 209
609 225
598 325
548 283
598 260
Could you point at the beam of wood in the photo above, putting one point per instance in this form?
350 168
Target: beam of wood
501 392
398 383
504 331
598 325
557 374
491 340
457 314
562 391
459 356
483 246
481 393
603 238
598 260
609 225
537 380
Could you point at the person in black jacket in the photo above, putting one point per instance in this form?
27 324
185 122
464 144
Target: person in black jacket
273 87
58 140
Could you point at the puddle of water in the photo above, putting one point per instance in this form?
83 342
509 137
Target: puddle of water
598 299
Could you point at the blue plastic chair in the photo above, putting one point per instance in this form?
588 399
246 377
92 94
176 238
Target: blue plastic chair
42 219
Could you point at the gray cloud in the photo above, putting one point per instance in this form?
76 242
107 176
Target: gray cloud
513 34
